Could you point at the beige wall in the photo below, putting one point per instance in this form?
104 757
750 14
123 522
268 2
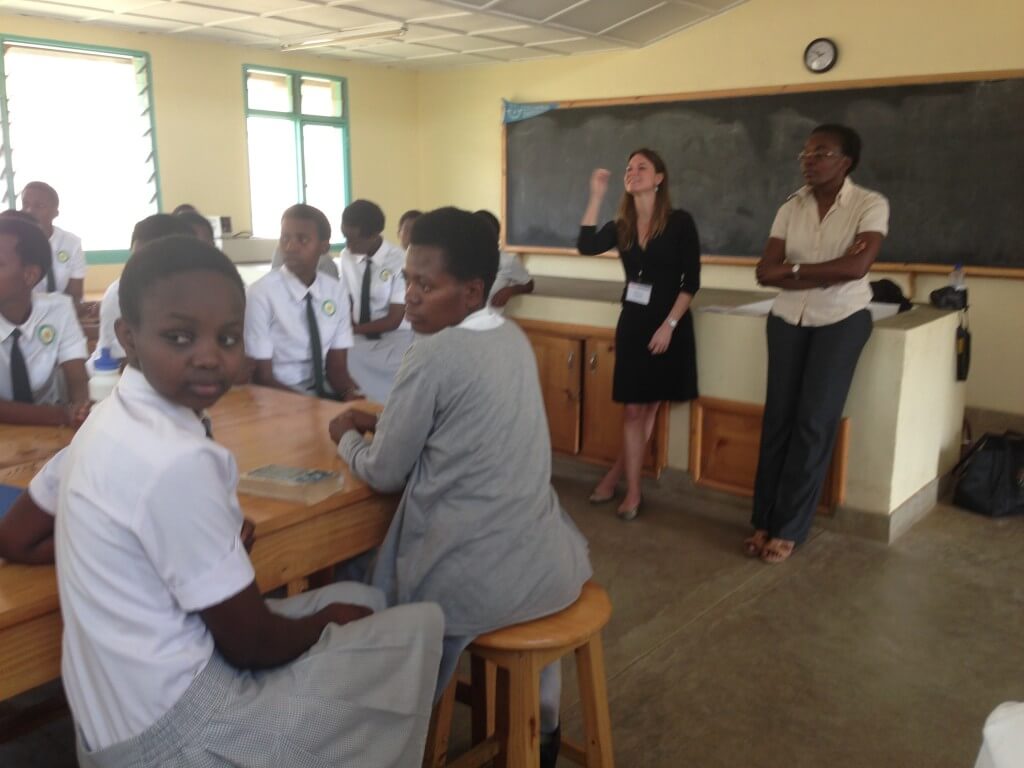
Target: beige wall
200 118
756 44
431 138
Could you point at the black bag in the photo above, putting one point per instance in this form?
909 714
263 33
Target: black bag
948 298
990 478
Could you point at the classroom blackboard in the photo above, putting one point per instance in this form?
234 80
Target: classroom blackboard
948 156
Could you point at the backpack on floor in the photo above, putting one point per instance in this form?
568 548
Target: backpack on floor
990 477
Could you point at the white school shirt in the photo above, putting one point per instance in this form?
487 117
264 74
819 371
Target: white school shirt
147 535
51 336
68 260
510 272
810 240
44 488
485 319
110 310
276 327
387 286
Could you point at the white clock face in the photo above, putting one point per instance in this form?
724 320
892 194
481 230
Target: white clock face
820 56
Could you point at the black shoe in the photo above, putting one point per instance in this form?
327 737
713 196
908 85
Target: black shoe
549 749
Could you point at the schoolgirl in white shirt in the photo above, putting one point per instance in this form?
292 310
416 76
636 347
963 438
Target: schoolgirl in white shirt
405 222
371 268
512 278
297 327
150 228
170 656
66 273
42 347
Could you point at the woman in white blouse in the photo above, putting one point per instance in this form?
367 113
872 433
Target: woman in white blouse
823 242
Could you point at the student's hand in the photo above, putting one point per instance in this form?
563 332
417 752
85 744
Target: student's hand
76 414
352 395
500 298
661 339
599 182
343 613
352 419
248 534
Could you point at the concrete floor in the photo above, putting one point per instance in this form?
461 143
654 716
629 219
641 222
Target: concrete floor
850 654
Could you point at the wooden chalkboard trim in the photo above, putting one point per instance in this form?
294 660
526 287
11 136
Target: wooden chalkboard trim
906 268
774 90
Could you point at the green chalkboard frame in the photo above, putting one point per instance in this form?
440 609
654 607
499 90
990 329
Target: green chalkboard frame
837 85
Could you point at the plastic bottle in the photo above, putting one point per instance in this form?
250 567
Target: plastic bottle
106 372
956 278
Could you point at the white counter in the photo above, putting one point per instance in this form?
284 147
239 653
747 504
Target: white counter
905 405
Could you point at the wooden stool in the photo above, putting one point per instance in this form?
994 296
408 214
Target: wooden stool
519 653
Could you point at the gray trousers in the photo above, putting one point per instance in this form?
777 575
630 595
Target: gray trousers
359 698
374 363
809 374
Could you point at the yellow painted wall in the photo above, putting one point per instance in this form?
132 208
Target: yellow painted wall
432 138
758 43
200 118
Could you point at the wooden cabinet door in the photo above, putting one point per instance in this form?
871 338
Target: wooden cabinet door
602 416
558 365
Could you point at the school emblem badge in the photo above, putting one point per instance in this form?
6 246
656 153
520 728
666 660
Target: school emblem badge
46 334
63 257
385 275
329 308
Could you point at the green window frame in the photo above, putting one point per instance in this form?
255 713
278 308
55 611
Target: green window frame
291 111
9 180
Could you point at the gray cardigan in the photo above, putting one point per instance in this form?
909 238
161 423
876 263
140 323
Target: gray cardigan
479 528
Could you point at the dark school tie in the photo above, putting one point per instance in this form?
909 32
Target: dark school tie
51 281
364 296
317 350
21 390
207 423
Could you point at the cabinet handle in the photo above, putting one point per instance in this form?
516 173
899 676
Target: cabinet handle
593 362
571 360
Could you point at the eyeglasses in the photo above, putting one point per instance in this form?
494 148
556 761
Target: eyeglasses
817 155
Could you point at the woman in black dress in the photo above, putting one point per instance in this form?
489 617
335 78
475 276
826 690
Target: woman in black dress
655 353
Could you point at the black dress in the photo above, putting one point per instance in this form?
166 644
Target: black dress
670 264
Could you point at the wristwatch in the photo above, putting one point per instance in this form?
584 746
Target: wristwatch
672 323
796 271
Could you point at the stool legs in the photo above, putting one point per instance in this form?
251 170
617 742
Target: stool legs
518 711
483 680
435 754
594 700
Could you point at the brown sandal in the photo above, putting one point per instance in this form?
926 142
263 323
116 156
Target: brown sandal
753 545
777 551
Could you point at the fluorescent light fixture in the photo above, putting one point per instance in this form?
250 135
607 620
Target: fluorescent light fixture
389 31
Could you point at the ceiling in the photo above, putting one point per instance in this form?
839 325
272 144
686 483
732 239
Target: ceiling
440 32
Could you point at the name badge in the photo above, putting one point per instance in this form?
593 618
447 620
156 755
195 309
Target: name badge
638 293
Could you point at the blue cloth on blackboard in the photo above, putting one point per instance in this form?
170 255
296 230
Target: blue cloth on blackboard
8 493
515 112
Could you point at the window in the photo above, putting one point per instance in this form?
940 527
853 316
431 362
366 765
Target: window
80 119
298 146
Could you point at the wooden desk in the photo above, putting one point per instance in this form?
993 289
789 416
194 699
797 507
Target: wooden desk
260 426
26 445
